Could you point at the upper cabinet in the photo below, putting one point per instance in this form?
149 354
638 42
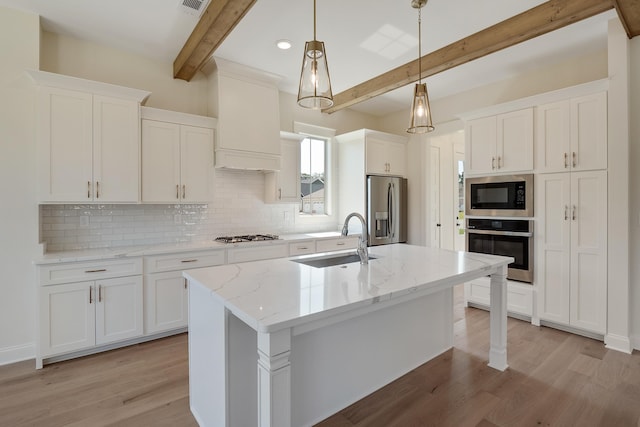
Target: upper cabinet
88 140
501 143
249 119
381 153
177 156
571 135
283 186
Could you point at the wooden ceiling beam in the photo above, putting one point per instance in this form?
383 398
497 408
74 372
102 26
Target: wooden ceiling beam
542 19
629 13
216 22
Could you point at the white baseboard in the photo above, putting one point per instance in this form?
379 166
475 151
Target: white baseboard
17 353
619 343
635 342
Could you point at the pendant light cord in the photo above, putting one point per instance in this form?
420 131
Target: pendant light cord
314 20
419 45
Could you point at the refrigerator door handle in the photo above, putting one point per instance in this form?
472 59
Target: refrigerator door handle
390 191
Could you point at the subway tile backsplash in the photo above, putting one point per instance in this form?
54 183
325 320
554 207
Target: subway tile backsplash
237 207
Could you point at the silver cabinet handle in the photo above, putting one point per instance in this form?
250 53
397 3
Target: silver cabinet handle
97 189
90 294
99 293
185 282
499 160
279 193
189 260
493 163
88 189
184 191
573 213
340 243
566 212
99 270
573 161
177 191
566 160
302 248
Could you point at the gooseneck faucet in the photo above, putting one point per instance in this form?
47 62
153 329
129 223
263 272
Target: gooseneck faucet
363 252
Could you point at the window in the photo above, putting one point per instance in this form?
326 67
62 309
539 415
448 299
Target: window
313 176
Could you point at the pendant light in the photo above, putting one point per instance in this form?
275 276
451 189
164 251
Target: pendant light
420 109
315 85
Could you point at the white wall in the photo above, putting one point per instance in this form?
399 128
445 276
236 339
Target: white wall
634 188
19 44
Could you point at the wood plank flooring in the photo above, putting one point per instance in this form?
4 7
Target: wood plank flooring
554 379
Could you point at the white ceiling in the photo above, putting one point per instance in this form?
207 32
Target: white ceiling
349 28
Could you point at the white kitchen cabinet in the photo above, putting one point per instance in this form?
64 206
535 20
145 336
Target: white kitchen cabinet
85 305
385 155
302 247
249 118
571 135
500 144
283 186
88 140
82 315
165 290
571 264
519 296
177 158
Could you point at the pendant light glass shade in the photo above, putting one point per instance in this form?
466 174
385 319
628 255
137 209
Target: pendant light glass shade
315 85
420 111
421 121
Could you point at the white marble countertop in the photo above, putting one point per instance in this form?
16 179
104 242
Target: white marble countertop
134 251
275 294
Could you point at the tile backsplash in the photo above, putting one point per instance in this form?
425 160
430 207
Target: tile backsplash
237 207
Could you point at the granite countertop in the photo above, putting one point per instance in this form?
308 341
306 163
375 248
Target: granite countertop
279 293
145 250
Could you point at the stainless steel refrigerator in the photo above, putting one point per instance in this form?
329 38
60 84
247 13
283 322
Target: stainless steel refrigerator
386 209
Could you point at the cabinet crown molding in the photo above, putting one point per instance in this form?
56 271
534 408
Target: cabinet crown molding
178 117
44 78
361 133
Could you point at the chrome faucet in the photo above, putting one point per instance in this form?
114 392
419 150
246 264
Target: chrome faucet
363 252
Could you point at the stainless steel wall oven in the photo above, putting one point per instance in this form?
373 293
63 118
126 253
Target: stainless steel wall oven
506 237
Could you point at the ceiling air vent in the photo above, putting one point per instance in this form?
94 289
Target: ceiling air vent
193 7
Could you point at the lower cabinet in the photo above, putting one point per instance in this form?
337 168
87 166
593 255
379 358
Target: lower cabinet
519 295
166 304
77 316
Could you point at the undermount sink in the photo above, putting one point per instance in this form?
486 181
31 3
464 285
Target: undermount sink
328 261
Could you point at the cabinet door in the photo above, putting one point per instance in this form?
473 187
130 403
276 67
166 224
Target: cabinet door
289 175
397 158
116 150
553 240
196 163
514 147
160 162
480 145
589 250
118 309
64 145
376 158
589 132
553 137
67 318
165 302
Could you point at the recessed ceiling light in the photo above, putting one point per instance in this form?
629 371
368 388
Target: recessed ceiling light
283 44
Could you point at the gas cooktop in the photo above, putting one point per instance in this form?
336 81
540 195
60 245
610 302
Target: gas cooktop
246 238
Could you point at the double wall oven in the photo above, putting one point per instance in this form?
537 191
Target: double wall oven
499 212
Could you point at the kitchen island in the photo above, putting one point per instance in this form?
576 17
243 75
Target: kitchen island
281 343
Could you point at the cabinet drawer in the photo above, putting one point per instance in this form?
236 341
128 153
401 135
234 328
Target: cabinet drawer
183 261
80 271
255 253
302 248
336 244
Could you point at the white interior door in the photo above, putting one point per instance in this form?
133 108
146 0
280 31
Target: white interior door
458 201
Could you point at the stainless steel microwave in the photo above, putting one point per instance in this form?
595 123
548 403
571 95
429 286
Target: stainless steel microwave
503 195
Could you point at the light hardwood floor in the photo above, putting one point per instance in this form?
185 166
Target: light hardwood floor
554 379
